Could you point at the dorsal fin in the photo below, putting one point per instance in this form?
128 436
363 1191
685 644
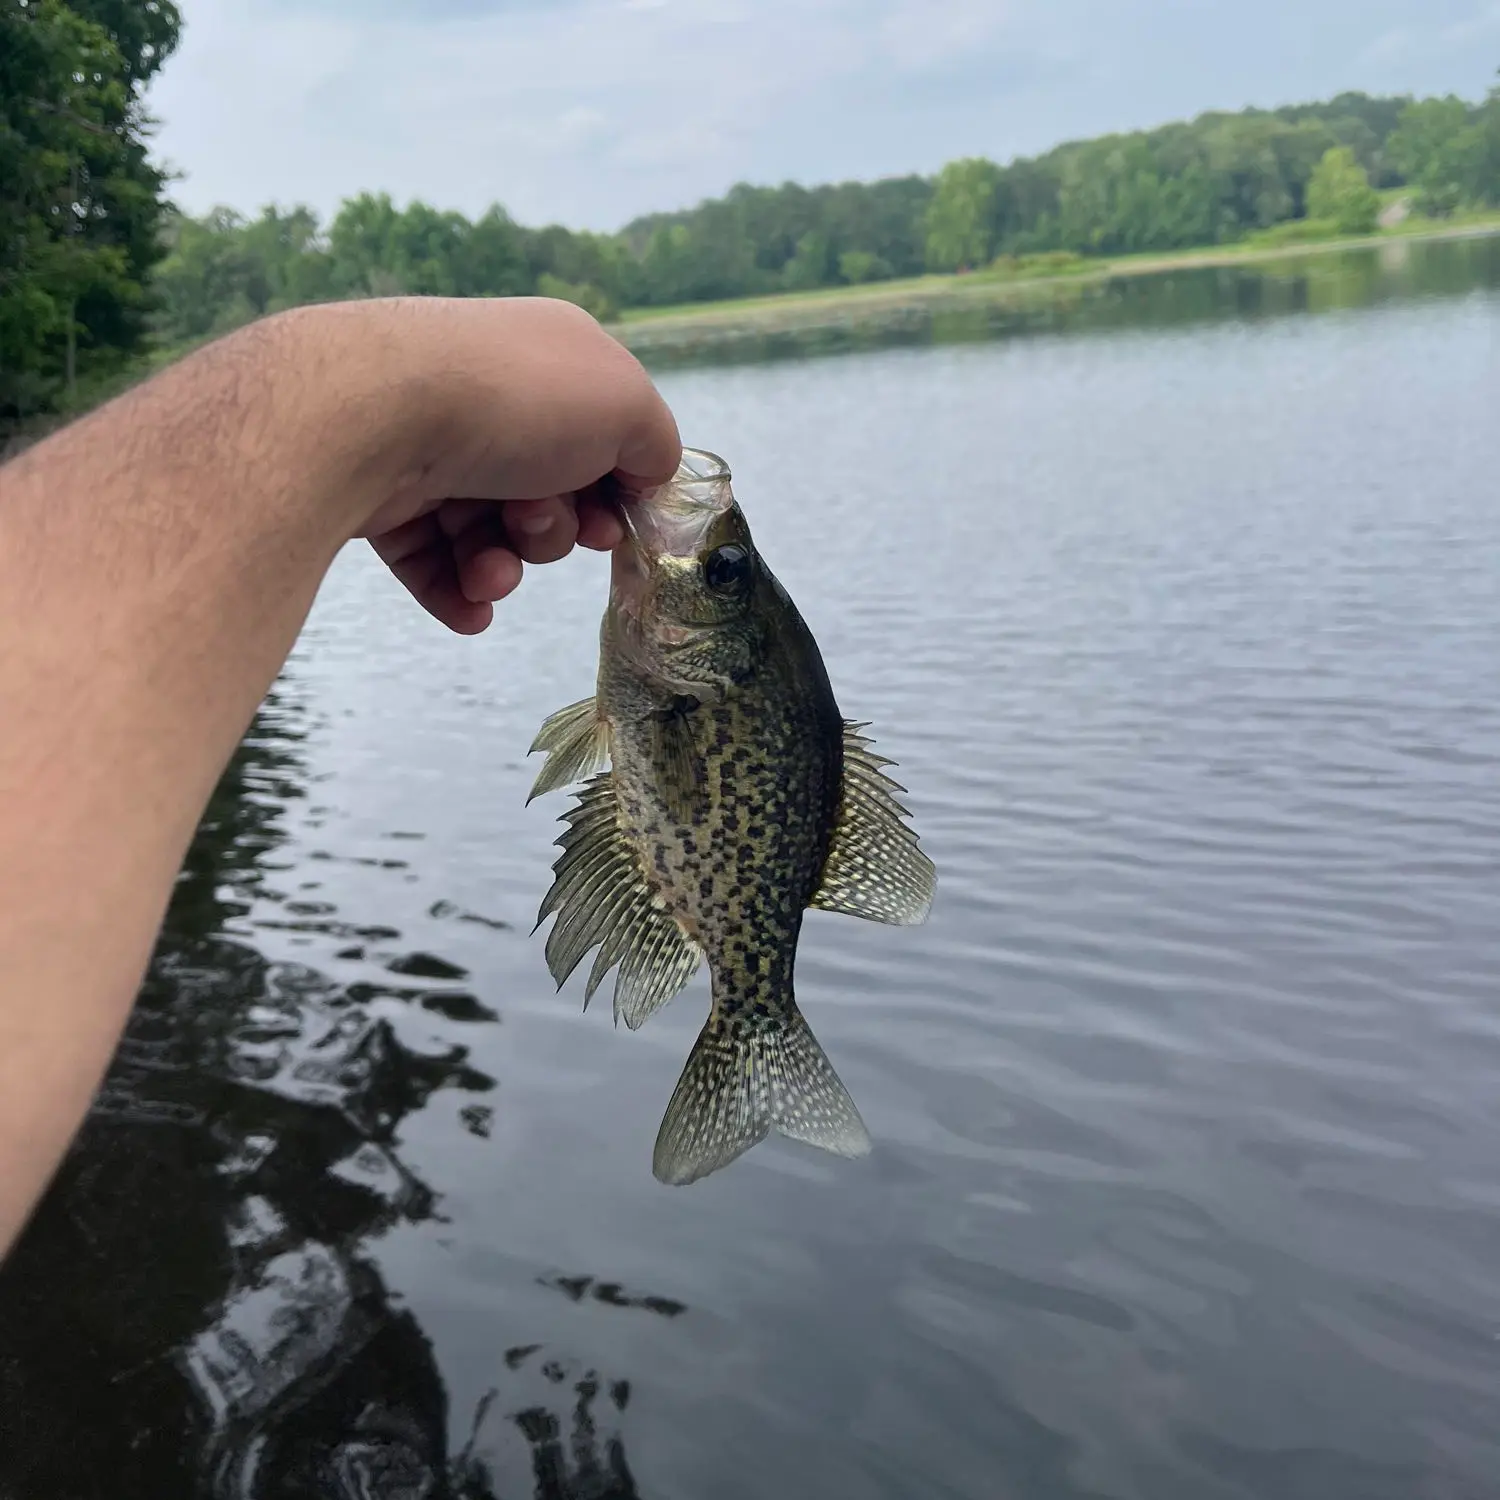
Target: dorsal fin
874 868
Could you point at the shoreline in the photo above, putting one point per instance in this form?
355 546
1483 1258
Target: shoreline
837 319
698 328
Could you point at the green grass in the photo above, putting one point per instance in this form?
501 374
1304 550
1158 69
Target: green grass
873 291
1464 221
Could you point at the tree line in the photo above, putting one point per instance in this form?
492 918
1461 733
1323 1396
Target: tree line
1312 169
95 261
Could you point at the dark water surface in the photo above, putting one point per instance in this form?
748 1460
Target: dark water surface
1186 1101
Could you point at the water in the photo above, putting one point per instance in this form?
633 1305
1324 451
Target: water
1187 1177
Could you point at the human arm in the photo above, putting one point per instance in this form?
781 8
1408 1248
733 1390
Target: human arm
157 560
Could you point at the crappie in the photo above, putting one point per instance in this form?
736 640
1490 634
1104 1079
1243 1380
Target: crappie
737 797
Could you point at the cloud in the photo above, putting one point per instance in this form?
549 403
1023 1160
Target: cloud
422 12
589 112
916 38
1482 26
1432 50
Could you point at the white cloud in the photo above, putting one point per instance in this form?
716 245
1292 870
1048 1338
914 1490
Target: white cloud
1389 46
591 111
1483 24
1429 50
916 37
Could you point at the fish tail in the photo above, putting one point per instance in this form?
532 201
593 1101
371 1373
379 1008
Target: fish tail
744 1078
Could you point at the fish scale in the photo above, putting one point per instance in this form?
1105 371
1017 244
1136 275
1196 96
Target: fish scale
736 796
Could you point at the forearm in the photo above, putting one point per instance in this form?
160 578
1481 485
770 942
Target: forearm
157 561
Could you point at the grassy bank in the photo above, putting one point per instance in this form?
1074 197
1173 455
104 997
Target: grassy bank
697 327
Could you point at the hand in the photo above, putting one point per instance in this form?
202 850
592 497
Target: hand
461 559
517 459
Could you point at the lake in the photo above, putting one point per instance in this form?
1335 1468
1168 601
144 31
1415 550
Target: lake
1185 633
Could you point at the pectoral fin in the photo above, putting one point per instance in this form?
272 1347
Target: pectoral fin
577 742
602 900
674 755
875 868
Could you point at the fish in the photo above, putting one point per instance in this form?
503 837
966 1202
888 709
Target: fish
722 796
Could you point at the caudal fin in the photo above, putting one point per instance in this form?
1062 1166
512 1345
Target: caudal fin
736 1088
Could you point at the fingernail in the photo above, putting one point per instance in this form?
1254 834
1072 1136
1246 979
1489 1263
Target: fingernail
535 525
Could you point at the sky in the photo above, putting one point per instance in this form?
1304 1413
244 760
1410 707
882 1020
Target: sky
589 112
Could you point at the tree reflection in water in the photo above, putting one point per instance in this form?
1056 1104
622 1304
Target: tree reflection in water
190 1311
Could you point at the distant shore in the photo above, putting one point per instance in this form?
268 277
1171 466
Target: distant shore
701 329
841 317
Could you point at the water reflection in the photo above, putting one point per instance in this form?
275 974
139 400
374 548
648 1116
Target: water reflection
194 1309
570 1458
1329 281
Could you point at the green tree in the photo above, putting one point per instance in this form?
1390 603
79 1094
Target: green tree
1341 193
290 247
962 215
859 266
585 295
144 32
697 257
1435 146
362 244
1026 206
205 283
1487 148
221 271
1360 121
493 262
882 220
79 202
811 266
426 249
586 259
667 265
1300 146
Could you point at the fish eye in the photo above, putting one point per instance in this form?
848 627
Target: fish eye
726 568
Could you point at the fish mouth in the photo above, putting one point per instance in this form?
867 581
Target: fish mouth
674 520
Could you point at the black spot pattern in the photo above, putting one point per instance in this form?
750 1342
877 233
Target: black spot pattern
740 865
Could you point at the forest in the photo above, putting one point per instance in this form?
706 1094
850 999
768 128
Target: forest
98 266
